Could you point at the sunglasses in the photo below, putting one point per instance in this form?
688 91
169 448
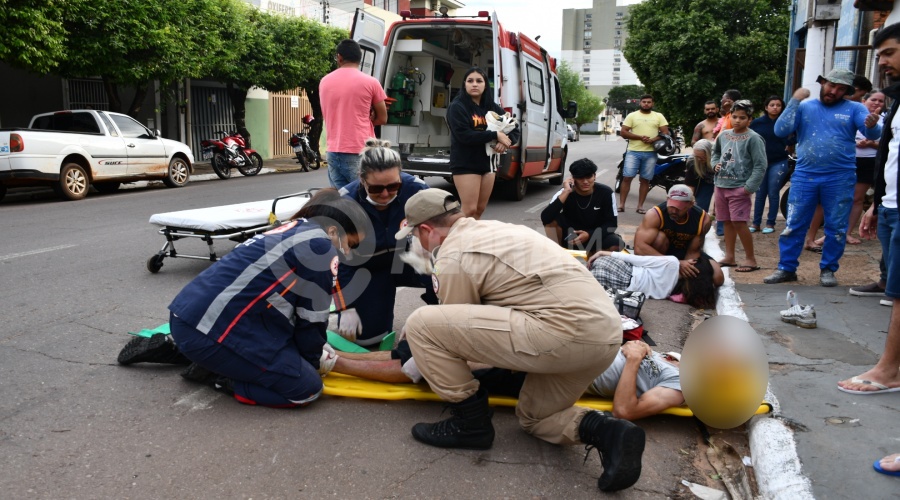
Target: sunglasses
380 188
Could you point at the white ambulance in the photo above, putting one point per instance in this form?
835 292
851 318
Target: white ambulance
421 62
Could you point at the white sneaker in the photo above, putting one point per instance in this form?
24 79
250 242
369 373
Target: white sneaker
802 316
887 302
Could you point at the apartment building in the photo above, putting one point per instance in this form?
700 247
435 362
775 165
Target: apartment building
592 41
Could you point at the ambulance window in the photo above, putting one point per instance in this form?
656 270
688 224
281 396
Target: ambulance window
535 84
367 65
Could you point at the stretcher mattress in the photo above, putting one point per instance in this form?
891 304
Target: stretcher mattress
230 217
337 384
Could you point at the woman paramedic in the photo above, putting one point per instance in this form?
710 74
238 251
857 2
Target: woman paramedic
369 277
254 322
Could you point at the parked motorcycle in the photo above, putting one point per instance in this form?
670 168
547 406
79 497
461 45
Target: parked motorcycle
670 170
306 155
231 152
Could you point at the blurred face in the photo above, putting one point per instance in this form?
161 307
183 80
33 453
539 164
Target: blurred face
678 210
646 105
740 120
773 109
383 186
832 93
475 85
889 58
875 102
711 111
726 103
585 185
700 157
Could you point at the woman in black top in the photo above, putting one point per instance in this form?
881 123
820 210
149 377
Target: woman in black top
469 162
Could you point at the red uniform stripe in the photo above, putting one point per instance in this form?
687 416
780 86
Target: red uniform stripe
253 302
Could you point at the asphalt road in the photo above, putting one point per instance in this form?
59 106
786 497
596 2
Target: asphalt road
74 424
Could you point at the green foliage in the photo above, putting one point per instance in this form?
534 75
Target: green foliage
689 51
619 96
572 88
32 36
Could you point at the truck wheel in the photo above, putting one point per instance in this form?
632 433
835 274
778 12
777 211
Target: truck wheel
179 173
73 182
107 187
221 166
517 187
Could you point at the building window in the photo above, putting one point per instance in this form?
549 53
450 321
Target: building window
587 34
619 15
588 25
618 23
587 44
588 16
618 32
617 60
587 59
586 70
587 51
615 68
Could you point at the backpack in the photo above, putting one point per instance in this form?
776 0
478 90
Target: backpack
629 305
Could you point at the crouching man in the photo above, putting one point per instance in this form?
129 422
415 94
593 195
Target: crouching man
511 298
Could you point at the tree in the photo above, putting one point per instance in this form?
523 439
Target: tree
572 88
689 51
33 37
620 96
134 42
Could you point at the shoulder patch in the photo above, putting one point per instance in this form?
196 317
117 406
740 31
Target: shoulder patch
334 265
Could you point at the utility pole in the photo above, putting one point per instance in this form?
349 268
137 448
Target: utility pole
325 8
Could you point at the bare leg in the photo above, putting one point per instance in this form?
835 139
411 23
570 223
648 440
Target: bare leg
484 194
469 188
382 371
814 226
553 231
730 240
743 232
624 189
859 196
642 192
887 370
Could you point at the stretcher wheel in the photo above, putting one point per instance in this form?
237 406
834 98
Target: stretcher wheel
155 263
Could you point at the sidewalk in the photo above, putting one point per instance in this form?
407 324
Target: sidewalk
838 435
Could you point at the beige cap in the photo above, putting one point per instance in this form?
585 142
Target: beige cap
424 205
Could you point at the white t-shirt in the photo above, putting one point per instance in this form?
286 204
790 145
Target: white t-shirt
889 200
654 275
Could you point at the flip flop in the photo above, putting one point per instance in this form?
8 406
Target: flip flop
621 209
641 211
727 264
813 249
877 467
879 388
746 269
753 229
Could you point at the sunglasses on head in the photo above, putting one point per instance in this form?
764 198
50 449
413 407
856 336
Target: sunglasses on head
380 188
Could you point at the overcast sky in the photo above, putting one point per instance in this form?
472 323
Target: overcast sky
532 17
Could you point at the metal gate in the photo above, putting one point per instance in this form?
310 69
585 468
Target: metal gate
288 109
210 114
86 93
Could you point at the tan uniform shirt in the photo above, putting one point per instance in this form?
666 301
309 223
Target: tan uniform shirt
512 266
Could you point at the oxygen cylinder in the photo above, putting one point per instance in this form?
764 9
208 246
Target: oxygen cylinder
399 81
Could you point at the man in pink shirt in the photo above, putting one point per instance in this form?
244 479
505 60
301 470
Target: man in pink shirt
352 104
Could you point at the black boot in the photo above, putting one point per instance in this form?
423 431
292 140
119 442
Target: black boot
156 349
468 427
196 373
620 444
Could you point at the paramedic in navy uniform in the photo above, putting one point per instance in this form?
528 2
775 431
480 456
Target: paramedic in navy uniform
254 322
369 277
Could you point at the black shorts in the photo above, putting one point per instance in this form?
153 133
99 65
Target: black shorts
470 169
865 170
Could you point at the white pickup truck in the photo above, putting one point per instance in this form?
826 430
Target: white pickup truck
72 150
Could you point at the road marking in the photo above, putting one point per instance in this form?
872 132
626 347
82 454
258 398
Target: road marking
35 252
541 205
200 399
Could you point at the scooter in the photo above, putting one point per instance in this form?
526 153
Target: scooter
307 157
231 151
670 170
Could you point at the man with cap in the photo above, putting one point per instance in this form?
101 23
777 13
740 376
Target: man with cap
527 307
825 173
674 227
583 213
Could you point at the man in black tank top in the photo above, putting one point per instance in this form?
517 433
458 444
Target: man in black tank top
675 227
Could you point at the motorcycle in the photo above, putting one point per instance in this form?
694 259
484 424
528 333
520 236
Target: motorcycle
231 151
307 157
670 170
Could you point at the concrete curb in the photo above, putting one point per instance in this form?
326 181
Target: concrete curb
773 450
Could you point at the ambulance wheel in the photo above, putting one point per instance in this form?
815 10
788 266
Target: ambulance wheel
517 187
556 181
155 263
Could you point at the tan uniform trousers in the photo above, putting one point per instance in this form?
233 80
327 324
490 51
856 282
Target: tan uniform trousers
442 338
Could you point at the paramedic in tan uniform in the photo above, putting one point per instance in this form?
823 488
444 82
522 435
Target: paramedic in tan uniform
511 298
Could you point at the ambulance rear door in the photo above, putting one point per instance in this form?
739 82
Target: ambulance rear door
368 31
498 62
536 107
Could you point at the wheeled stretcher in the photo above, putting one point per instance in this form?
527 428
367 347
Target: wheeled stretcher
236 222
